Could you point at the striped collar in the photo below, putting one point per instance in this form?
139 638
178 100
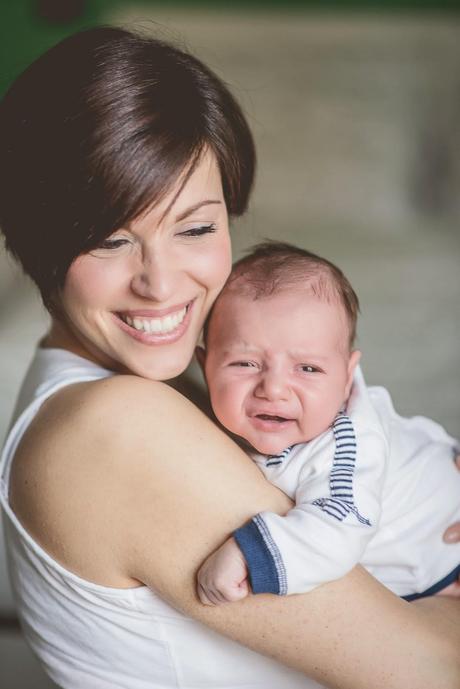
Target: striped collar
274 460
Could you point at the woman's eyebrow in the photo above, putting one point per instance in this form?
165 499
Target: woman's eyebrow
196 207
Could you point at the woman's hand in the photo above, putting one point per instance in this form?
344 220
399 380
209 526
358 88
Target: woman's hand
223 576
452 534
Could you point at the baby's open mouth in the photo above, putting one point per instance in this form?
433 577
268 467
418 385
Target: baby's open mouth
272 417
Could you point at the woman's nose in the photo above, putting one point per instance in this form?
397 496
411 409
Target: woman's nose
156 278
272 387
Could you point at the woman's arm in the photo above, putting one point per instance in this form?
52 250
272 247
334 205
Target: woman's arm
180 487
352 633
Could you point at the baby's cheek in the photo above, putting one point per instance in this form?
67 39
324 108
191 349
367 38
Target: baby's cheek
321 410
225 402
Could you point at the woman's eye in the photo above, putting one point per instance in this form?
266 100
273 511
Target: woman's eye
113 243
198 231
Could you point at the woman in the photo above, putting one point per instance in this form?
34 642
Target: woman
121 158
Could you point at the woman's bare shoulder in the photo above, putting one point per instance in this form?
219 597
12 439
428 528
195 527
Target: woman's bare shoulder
94 451
118 427
115 390
120 405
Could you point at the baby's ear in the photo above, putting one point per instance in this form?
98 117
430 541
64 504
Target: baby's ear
353 361
200 354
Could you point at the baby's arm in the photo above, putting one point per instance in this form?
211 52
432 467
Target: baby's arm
320 539
337 510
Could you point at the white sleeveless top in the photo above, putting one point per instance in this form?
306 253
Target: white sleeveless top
94 637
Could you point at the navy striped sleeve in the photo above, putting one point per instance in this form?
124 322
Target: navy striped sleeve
266 569
340 502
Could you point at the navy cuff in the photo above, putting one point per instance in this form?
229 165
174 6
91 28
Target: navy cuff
263 574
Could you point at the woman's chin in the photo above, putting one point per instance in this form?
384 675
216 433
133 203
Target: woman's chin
159 368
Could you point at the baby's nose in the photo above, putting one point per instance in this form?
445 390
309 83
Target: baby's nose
272 387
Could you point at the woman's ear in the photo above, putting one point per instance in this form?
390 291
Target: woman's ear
355 358
200 354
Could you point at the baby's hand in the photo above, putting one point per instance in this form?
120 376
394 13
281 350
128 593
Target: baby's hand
223 576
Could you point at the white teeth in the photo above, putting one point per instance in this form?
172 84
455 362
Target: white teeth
157 325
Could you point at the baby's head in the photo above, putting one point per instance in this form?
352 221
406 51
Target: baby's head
278 356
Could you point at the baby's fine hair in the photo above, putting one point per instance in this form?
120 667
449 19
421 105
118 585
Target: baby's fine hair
272 267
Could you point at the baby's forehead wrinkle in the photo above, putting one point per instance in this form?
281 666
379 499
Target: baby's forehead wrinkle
261 285
305 355
242 345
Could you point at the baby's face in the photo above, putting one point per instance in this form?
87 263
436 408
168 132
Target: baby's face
278 368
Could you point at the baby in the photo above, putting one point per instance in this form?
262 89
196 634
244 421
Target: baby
369 486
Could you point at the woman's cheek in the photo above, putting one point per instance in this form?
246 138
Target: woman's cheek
95 280
215 264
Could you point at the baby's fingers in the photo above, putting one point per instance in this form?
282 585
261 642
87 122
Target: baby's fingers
219 592
241 591
207 596
231 592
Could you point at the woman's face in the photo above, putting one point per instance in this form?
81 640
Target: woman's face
138 303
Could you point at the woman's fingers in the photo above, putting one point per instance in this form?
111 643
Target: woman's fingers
452 534
453 590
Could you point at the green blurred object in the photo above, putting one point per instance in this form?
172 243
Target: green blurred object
58 12
29 27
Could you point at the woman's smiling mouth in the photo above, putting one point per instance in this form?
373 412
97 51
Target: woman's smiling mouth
152 327
156 325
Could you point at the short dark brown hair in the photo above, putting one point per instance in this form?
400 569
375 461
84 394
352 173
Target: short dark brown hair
96 131
271 267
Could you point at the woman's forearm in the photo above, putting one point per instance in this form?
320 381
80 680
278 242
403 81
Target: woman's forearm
349 634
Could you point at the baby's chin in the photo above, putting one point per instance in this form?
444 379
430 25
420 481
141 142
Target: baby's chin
257 445
265 443
269 446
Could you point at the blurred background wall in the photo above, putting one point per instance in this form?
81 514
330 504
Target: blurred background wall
356 117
